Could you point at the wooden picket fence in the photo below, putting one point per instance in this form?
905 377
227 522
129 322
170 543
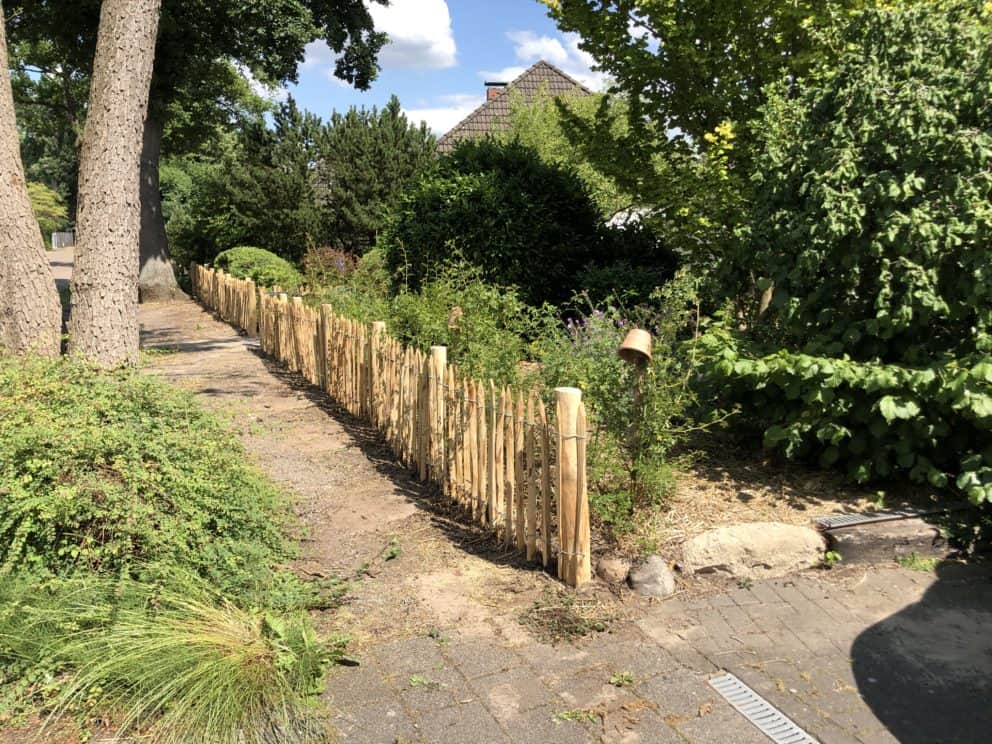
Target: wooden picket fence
513 466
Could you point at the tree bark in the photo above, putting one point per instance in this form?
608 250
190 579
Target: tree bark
103 324
30 311
156 278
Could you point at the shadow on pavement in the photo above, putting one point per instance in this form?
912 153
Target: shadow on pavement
926 671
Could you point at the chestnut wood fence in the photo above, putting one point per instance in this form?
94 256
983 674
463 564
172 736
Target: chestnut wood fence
513 466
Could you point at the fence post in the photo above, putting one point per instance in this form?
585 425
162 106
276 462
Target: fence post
574 561
376 386
438 369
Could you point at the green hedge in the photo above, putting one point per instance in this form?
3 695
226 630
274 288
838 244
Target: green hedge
876 420
264 268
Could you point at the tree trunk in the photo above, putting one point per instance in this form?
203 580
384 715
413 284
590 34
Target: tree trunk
103 324
30 311
156 278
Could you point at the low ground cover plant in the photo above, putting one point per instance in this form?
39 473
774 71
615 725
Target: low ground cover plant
141 565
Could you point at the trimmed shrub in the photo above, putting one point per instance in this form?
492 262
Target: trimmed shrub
264 268
499 207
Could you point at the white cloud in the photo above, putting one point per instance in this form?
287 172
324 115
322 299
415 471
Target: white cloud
420 36
260 89
452 109
563 52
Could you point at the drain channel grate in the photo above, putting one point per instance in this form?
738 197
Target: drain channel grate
768 719
847 520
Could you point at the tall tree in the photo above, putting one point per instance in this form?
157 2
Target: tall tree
30 313
366 160
193 89
694 64
103 323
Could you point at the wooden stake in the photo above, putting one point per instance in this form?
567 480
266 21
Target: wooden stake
567 402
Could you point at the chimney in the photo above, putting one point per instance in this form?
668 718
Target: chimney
493 89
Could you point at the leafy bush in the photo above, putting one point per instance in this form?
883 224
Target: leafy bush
523 222
264 268
175 661
633 433
327 266
931 424
364 294
104 471
874 218
49 209
485 327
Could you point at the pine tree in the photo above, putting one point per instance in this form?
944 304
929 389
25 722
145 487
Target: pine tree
366 160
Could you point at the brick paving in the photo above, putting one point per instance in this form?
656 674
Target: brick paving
870 656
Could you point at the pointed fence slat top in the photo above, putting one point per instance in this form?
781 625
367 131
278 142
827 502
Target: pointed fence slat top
494 453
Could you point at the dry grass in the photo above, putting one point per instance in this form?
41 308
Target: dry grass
562 615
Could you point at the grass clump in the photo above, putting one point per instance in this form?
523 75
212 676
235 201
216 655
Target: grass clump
175 661
264 268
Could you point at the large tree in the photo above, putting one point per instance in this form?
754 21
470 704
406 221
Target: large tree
103 323
30 313
693 64
193 89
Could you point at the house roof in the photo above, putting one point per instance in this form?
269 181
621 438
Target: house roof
541 79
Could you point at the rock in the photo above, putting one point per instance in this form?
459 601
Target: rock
754 551
884 542
653 578
613 569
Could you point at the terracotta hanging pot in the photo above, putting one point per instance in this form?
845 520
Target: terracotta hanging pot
636 348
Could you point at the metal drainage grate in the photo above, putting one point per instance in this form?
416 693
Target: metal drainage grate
769 720
847 520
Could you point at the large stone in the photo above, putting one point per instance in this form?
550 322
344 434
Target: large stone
653 578
613 569
754 551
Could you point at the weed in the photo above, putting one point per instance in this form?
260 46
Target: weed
392 551
561 615
577 715
622 679
417 682
831 558
916 562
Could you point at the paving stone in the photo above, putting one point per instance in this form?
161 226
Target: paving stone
479 658
470 722
358 687
431 690
546 726
642 659
678 697
510 694
721 724
546 659
377 725
410 656
590 692
642 726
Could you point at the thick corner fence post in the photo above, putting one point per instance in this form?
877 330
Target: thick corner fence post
574 560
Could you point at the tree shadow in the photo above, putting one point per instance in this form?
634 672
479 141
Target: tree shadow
926 671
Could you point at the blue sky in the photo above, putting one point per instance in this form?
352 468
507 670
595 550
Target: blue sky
441 53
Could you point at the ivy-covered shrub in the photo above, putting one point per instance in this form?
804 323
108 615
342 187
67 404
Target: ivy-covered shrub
520 220
264 268
873 220
876 420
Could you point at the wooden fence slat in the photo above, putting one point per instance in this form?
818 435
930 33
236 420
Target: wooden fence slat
490 450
